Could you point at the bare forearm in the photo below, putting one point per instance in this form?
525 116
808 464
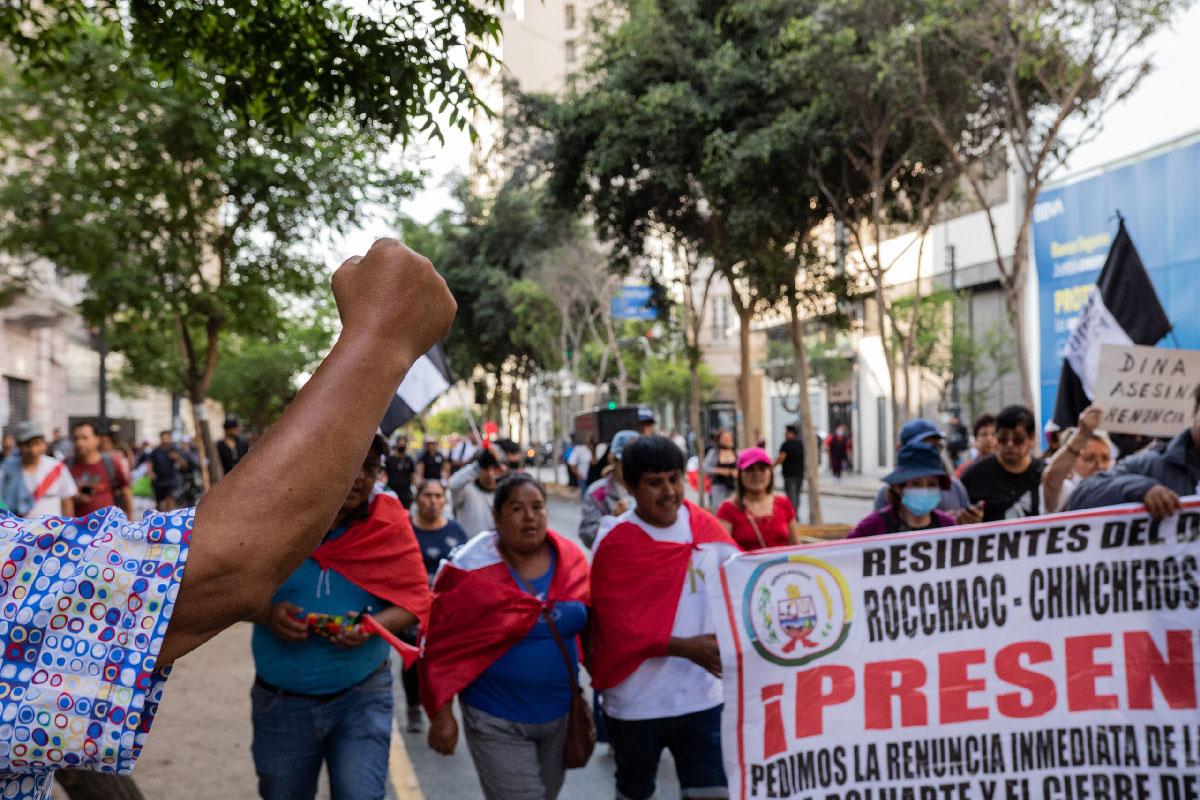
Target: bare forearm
396 619
1056 472
246 539
126 502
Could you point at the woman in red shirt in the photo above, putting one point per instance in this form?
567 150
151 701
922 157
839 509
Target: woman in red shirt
754 516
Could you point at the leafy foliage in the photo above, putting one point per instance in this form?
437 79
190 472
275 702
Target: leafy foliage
256 377
446 422
281 63
670 382
187 220
536 325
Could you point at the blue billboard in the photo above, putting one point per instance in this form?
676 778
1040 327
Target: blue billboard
1075 224
633 302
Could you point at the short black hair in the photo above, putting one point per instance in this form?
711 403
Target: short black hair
486 459
984 421
1196 395
649 454
792 429
84 424
164 433
1014 417
509 484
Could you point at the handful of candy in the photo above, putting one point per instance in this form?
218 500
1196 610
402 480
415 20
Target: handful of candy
328 625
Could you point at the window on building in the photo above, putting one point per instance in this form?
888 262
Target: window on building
720 319
18 402
571 51
569 16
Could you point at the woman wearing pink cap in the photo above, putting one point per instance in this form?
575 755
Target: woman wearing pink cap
754 516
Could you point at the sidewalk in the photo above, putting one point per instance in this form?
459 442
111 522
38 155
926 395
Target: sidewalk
854 485
199 747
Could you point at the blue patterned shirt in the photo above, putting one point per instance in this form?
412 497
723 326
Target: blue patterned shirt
84 606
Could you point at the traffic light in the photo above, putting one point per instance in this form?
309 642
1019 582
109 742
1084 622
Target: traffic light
612 404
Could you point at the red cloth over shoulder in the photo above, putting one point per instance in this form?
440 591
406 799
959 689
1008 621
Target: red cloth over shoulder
380 555
479 612
636 583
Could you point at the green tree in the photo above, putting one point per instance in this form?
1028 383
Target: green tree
256 377
878 168
186 219
396 66
629 147
689 130
489 249
447 421
1039 77
536 326
670 382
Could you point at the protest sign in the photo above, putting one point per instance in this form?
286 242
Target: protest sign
1146 390
1049 658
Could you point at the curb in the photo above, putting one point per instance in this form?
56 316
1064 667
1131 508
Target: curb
855 494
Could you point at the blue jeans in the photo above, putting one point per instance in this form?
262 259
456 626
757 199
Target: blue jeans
351 733
694 741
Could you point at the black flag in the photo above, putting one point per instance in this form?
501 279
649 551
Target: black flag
425 381
1123 309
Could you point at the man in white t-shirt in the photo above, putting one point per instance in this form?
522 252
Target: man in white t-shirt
581 461
463 451
656 661
48 484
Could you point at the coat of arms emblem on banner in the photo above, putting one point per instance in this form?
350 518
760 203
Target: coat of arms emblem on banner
796 609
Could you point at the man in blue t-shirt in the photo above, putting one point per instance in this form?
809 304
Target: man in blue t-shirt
314 662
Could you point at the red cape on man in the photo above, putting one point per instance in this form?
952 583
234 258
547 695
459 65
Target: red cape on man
636 583
380 555
479 614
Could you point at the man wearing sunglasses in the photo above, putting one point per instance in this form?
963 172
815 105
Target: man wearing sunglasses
1007 481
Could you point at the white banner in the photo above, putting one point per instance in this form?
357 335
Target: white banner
1051 657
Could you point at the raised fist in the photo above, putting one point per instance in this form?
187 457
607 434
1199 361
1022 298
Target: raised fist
1089 420
393 295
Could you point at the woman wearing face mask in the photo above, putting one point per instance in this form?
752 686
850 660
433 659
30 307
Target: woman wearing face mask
914 490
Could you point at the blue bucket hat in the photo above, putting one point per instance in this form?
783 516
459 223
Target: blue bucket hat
918 430
917 461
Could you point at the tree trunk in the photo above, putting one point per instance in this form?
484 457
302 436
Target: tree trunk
808 432
82 784
1014 304
694 413
622 372
745 314
210 465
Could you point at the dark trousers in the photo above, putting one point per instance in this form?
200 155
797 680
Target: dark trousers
794 488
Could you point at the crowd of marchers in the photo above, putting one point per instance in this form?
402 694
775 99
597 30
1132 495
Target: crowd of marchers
334 568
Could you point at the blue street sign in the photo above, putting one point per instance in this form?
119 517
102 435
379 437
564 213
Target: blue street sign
633 302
